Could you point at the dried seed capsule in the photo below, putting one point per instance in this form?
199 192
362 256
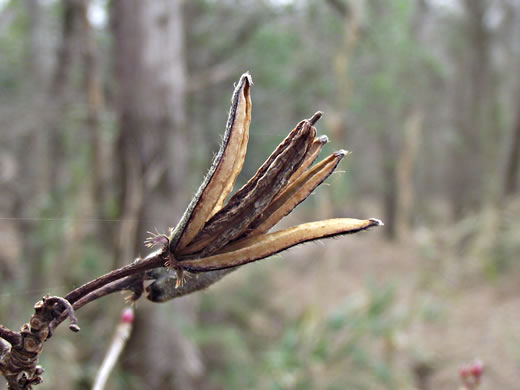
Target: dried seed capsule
253 198
240 156
223 172
294 194
265 245
165 287
312 155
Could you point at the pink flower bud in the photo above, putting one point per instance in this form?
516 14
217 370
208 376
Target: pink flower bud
464 371
477 368
127 315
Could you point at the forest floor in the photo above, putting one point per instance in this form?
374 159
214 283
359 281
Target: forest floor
444 310
453 312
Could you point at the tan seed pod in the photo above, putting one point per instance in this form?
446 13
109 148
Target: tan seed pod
224 169
252 199
265 245
295 193
312 155
239 158
212 240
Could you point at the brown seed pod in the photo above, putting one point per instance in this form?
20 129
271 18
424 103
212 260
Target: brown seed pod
223 172
255 248
311 156
295 193
254 197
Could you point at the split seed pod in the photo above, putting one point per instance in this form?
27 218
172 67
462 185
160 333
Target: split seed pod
214 237
224 170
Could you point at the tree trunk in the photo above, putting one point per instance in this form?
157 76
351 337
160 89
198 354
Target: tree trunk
152 154
405 173
513 160
473 97
94 97
67 57
352 17
36 165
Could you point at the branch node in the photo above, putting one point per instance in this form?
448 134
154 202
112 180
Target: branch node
12 337
66 307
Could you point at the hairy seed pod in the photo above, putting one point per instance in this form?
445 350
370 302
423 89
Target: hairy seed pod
265 245
224 170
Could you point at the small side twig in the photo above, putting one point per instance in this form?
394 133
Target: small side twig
140 265
121 335
12 337
64 308
133 283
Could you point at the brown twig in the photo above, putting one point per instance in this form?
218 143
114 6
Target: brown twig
19 365
119 340
133 283
10 336
140 265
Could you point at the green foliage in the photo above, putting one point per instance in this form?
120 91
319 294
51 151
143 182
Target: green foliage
11 66
392 84
351 347
500 257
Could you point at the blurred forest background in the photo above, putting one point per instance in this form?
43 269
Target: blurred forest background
110 112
